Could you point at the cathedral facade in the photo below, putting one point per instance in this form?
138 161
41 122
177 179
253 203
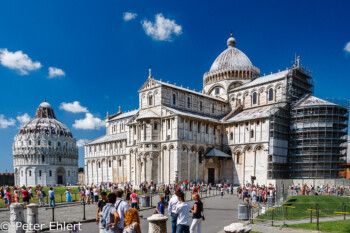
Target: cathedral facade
45 152
237 129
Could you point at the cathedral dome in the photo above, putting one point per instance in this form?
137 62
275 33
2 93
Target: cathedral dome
45 123
231 59
232 64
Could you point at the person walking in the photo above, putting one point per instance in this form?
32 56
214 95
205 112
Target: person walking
96 194
100 205
160 206
171 210
121 206
197 217
167 195
132 221
182 212
134 200
110 217
52 197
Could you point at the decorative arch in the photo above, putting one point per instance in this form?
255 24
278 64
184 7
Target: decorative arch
259 147
234 85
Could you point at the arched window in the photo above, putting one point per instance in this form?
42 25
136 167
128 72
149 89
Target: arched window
238 158
174 99
58 144
270 94
109 164
120 163
30 142
189 102
233 99
49 143
200 157
150 100
155 126
22 173
251 133
40 173
43 158
30 173
217 91
200 106
59 159
255 97
213 108
231 136
50 173
99 165
39 143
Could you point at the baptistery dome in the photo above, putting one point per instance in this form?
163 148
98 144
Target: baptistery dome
44 151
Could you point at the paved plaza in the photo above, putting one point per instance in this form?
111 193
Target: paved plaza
219 212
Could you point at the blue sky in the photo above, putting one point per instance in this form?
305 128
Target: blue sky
99 55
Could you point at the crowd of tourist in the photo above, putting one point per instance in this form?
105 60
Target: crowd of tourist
305 189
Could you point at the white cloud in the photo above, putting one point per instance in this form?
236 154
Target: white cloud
127 16
18 61
55 72
4 123
22 119
74 107
162 28
89 122
347 47
81 142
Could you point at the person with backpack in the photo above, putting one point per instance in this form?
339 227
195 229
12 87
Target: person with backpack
160 206
121 207
197 217
134 200
110 216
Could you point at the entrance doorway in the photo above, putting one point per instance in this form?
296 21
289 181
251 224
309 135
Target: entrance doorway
59 179
60 175
211 175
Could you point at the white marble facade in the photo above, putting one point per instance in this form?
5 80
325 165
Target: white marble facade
45 152
168 138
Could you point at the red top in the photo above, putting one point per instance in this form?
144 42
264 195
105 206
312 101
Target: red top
25 193
8 194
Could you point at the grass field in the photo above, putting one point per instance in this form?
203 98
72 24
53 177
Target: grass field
331 226
301 207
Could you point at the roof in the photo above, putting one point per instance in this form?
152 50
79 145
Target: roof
147 115
231 59
218 153
124 115
193 115
264 79
190 91
108 138
254 113
310 100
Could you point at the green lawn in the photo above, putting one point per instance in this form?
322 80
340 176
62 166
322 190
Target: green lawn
331 226
300 207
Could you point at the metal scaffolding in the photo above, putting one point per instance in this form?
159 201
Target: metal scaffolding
318 137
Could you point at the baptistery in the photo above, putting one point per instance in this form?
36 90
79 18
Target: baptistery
44 151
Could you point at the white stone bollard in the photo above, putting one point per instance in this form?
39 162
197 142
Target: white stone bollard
16 216
237 228
32 218
157 223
